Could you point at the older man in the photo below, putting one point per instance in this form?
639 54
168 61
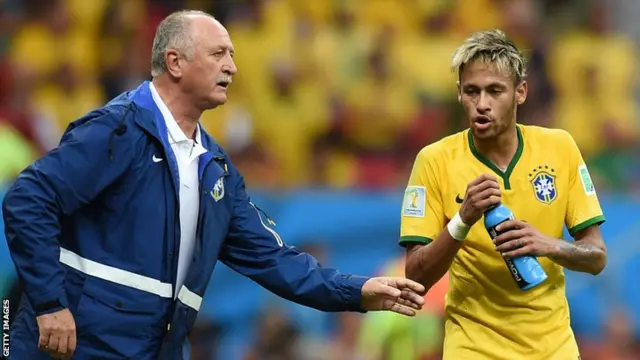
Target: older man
115 233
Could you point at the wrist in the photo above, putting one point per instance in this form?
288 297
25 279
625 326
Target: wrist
559 247
48 307
352 291
457 228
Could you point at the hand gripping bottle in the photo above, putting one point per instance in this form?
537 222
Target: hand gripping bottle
525 270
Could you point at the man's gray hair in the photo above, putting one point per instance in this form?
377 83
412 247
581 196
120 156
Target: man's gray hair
491 46
174 32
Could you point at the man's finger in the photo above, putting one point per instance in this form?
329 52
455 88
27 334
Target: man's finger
511 224
43 342
389 291
510 245
482 178
481 187
71 347
508 236
491 201
403 310
52 347
62 346
525 250
486 194
403 283
411 296
409 303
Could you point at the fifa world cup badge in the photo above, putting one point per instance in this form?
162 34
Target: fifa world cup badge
414 201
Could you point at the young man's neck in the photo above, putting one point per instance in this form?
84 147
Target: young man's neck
501 149
185 114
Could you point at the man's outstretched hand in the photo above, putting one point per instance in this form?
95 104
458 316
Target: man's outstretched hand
399 295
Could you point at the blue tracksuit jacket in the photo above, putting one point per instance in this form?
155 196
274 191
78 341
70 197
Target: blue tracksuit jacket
94 224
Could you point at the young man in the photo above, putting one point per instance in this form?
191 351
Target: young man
540 175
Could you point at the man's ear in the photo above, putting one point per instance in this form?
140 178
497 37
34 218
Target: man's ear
459 91
521 92
172 59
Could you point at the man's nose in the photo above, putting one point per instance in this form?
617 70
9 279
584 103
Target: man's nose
230 67
484 104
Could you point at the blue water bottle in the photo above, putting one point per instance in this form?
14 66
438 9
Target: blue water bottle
525 270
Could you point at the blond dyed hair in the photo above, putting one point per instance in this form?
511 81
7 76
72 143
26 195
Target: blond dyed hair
491 46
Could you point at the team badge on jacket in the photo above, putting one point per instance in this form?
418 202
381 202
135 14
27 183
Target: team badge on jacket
544 184
218 190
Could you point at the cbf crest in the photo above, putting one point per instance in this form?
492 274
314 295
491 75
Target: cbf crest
218 190
543 180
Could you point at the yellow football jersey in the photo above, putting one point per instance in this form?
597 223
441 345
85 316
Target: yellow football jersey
546 184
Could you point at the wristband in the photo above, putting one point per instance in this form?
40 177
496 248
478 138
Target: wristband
457 228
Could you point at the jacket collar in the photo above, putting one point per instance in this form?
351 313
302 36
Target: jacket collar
157 126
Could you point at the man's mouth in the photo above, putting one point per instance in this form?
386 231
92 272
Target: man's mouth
482 122
224 82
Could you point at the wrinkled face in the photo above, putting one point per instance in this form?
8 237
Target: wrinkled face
206 77
489 98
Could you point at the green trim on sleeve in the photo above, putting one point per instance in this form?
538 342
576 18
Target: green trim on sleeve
597 220
404 240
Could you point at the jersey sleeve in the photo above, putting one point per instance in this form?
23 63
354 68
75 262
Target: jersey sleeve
422 216
583 207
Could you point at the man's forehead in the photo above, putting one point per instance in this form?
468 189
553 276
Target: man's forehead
210 31
207 25
484 71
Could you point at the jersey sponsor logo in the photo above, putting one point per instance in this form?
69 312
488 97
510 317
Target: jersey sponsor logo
544 184
587 183
459 200
414 201
218 190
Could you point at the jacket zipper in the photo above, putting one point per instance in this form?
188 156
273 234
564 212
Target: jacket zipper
202 194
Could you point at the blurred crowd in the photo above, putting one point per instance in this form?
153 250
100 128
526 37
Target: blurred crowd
337 94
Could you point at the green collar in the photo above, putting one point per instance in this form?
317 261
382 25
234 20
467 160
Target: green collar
503 174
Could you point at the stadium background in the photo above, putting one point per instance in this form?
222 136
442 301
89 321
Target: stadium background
332 101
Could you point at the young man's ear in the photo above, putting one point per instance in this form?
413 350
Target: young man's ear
521 92
459 93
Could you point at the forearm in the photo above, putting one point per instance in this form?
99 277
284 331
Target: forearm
428 264
32 228
301 279
298 277
582 256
